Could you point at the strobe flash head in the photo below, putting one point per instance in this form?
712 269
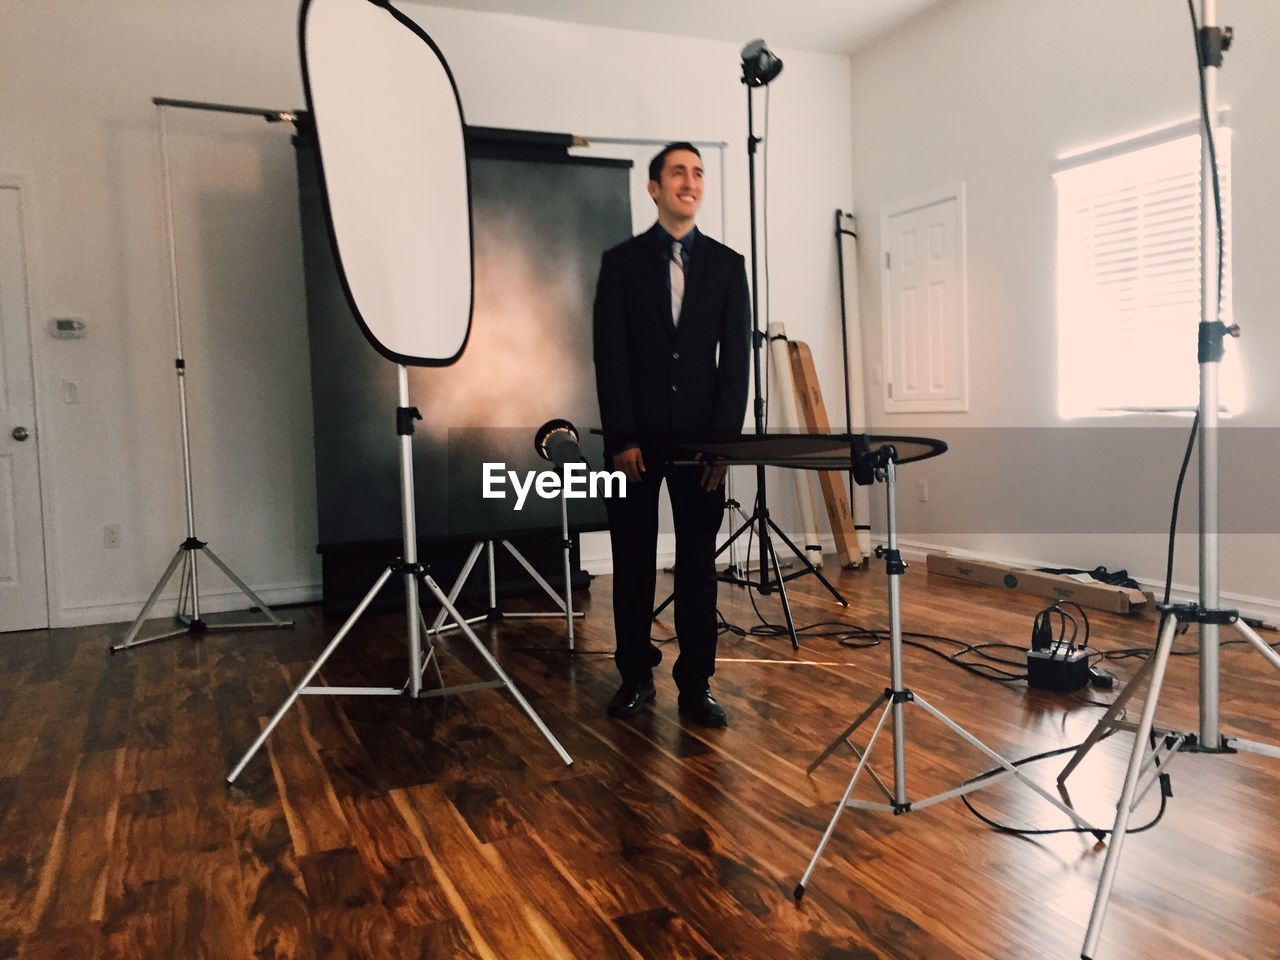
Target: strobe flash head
759 65
557 442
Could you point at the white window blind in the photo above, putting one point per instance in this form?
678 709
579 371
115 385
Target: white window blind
1129 279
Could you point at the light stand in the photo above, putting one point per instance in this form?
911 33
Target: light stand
494 613
188 613
1145 767
759 67
895 699
412 573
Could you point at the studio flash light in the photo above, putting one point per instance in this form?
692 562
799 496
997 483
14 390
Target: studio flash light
557 441
759 65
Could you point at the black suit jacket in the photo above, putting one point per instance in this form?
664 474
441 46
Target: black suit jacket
657 380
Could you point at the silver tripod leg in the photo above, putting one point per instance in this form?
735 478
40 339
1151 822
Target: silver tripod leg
845 735
1251 636
1124 809
844 800
129 640
311 674
493 665
549 590
1109 721
1238 743
431 659
1009 769
190 590
455 591
261 604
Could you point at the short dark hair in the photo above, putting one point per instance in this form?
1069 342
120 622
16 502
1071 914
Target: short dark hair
660 161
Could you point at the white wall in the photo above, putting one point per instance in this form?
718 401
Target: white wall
990 92
77 78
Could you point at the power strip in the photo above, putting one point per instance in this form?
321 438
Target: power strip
1059 668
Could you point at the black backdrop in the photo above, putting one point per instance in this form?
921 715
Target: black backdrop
541 219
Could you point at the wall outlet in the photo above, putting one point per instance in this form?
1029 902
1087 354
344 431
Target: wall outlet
70 391
111 536
922 491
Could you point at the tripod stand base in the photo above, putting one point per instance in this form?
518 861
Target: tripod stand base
565 603
412 574
1154 749
189 594
760 518
897 802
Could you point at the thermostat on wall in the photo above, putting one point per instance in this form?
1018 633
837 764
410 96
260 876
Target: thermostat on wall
66 328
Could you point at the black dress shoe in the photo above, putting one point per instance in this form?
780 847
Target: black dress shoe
631 697
702 709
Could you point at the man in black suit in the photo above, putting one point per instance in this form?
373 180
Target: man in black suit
671 350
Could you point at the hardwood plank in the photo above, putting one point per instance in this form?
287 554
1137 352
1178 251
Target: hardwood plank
275 909
76 876
661 933
347 917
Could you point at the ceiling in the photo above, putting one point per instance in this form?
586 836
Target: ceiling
832 26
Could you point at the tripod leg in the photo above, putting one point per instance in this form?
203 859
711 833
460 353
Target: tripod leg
1009 767
848 732
493 664
1124 808
1100 728
662 606
537 577
244 588
831 827
459 583
805 560
129 637
1258 643
431 657
184 615
311 673
782 592
747 524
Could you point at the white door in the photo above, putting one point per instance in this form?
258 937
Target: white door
926 362
23 597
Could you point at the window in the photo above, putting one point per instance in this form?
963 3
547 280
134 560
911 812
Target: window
1129 277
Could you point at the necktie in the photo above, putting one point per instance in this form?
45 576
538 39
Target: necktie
677 279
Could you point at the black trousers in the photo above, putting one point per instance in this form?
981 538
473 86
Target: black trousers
633 533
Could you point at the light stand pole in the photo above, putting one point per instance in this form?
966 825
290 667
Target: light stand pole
759 68
188 551
1154 748
757 346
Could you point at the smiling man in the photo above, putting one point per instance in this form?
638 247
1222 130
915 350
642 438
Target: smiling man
671 350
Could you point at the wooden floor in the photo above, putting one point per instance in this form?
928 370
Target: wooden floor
385 828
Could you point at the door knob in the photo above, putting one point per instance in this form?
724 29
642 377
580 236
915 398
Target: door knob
21 433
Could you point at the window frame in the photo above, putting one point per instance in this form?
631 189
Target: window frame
1077 340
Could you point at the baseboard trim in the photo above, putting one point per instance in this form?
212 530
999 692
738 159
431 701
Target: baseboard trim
1261 608
221 600
600 562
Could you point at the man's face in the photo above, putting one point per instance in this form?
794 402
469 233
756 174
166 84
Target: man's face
679 193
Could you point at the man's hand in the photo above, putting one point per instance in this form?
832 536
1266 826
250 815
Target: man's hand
712 474
631 463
